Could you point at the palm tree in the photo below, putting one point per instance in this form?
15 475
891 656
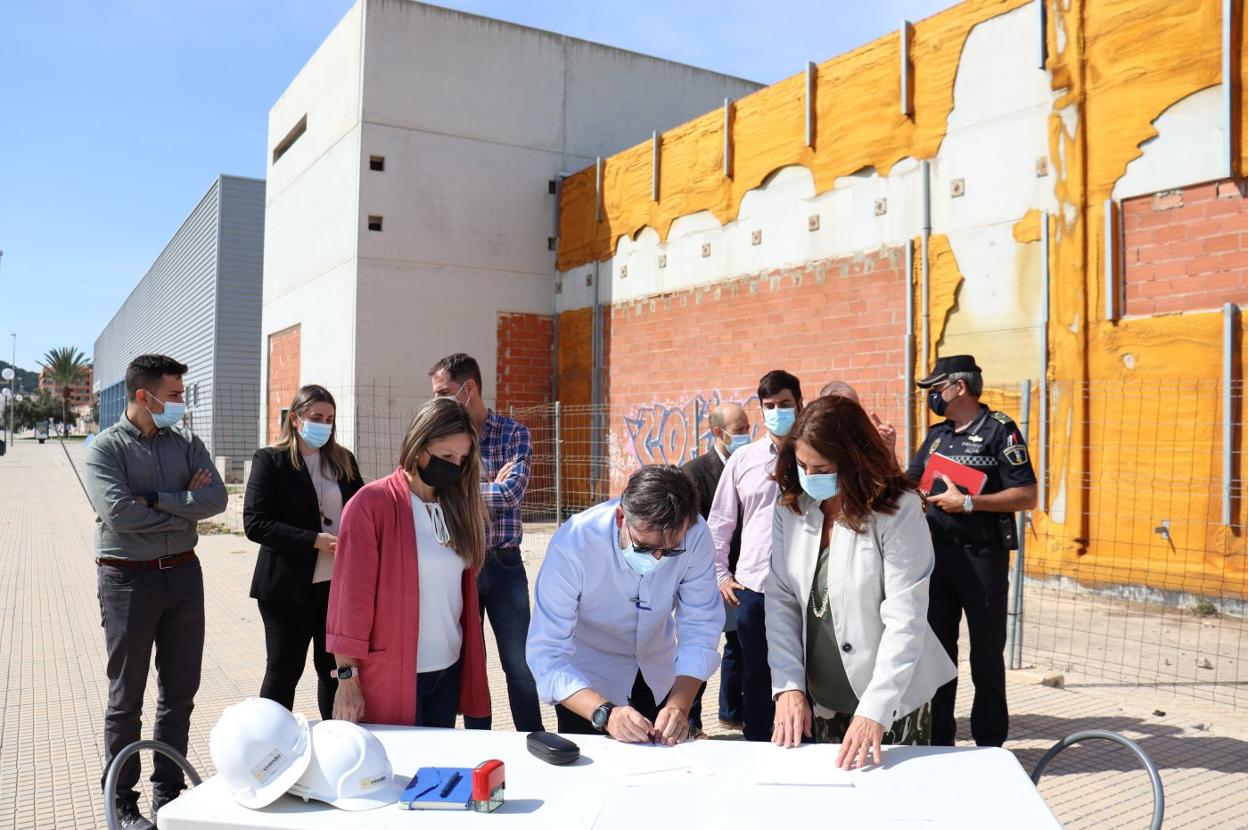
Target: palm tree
65 367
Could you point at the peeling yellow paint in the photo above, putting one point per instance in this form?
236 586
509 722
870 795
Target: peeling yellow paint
944 283
858 124
1027 229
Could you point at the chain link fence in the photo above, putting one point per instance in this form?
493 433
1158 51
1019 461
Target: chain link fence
1133 567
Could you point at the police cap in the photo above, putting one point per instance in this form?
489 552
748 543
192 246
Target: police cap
946 366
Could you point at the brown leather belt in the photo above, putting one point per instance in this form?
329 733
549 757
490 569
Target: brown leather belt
162 564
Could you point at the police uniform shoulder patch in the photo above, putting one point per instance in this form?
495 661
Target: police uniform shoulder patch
1016 454
1002 417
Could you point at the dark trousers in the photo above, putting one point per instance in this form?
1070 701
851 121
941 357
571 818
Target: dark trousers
437 697
141 609
730 702
758 710
640 698
971 578
503 591
287 631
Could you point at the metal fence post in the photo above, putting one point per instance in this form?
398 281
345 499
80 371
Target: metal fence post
697 431
1015 634
558 470
1228 413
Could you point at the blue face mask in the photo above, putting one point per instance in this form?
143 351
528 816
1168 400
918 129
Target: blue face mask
315 435
819 486
171 414
641 563
779 421
736 442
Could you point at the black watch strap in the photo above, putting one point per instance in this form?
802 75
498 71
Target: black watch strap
151 497
602 716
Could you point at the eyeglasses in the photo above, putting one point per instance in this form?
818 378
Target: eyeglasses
647 549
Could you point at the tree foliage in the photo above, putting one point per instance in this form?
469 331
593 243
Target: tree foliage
65 366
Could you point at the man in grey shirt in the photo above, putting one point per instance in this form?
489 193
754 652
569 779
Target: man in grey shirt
150 484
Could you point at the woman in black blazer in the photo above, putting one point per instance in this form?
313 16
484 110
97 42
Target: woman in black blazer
295 495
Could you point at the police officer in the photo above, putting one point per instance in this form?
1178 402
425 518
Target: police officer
972 536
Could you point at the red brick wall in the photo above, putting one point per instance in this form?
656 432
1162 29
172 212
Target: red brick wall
525 368
673 357
1186 249
525 360
283 376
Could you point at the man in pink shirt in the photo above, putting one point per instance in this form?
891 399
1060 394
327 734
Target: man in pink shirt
746 489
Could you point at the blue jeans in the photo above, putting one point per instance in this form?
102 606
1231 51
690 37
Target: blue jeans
730 703
503 591
437 697
758 710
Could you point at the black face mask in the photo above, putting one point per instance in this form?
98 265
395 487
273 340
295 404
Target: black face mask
439 473
936 403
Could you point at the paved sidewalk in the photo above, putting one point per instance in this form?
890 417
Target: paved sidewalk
53 689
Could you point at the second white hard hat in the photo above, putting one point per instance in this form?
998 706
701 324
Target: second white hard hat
260 748
349 769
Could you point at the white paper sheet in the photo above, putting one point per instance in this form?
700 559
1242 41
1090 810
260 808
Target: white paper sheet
804 766
640 764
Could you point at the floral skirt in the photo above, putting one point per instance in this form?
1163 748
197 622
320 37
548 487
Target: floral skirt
915 729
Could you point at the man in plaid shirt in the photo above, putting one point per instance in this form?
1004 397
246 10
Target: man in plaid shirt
502 585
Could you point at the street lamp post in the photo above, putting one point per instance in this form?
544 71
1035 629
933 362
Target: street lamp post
13 366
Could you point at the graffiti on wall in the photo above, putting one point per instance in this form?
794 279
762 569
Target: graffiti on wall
662 433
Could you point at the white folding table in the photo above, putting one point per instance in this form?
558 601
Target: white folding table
915 787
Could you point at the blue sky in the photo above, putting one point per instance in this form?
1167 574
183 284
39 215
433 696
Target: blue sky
116 116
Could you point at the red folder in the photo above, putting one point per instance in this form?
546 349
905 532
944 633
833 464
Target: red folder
967 477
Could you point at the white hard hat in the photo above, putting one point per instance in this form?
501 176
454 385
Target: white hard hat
349 768
260 748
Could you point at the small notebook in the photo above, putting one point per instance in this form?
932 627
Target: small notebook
960 474
426 790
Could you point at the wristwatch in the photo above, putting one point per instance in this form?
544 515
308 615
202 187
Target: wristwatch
151 497
967 504
601 716
344 672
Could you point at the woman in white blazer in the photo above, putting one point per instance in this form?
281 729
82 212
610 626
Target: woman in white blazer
846 599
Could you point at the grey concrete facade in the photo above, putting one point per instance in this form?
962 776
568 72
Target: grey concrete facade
200 303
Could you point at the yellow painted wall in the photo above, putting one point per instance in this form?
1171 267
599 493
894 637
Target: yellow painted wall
1136 421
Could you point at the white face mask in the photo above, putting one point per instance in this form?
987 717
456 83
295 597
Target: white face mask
170 415
467 393
732 443
641 563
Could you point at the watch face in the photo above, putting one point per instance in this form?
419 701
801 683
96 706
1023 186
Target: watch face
601 715
345 673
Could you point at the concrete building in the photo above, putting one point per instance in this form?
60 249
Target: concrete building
79 393
200 303
413 171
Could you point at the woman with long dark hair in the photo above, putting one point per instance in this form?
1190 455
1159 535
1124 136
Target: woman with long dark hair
846 598
295 496
403 621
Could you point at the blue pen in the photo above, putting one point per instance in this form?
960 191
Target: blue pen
450 785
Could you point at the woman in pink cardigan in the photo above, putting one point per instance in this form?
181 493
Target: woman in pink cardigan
403 621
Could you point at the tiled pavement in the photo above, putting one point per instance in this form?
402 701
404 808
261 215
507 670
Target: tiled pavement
53 688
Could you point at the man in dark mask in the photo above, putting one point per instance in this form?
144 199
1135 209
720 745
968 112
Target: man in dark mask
972 535
502 585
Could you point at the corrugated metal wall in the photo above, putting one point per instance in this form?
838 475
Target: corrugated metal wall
239 268
200 303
